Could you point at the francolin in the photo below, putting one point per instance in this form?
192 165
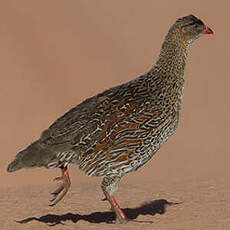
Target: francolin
119 130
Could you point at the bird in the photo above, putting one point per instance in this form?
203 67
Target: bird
119 130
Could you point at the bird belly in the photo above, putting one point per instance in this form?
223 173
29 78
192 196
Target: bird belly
119 154
152 144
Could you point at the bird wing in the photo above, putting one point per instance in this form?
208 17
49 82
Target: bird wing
96 118
87 117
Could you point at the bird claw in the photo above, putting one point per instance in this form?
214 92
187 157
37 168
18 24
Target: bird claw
59 193
62 189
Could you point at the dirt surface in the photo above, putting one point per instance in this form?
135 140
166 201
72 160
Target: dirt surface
54 54
181 204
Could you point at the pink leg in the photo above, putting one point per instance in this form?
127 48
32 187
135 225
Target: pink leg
109 185
63 188
120 216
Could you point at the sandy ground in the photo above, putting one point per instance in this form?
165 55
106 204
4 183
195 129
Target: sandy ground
191 204
54 54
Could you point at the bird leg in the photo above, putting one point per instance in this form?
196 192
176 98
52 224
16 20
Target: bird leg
120 216
109 185
63 188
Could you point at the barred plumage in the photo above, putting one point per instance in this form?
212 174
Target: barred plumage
119 130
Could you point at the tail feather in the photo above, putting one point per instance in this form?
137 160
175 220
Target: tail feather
33 156
15 165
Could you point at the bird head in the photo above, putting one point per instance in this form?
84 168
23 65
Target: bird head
189 28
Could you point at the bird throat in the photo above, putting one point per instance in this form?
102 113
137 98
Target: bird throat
168 73
172 58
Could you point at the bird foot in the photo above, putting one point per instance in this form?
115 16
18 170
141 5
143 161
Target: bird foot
120 215
62 189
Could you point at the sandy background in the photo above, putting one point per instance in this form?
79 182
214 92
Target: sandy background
55 53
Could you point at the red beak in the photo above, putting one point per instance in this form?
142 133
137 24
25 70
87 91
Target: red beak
207 30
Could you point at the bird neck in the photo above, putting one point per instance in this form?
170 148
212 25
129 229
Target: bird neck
172 58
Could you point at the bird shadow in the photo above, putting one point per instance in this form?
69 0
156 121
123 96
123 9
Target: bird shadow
149 208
